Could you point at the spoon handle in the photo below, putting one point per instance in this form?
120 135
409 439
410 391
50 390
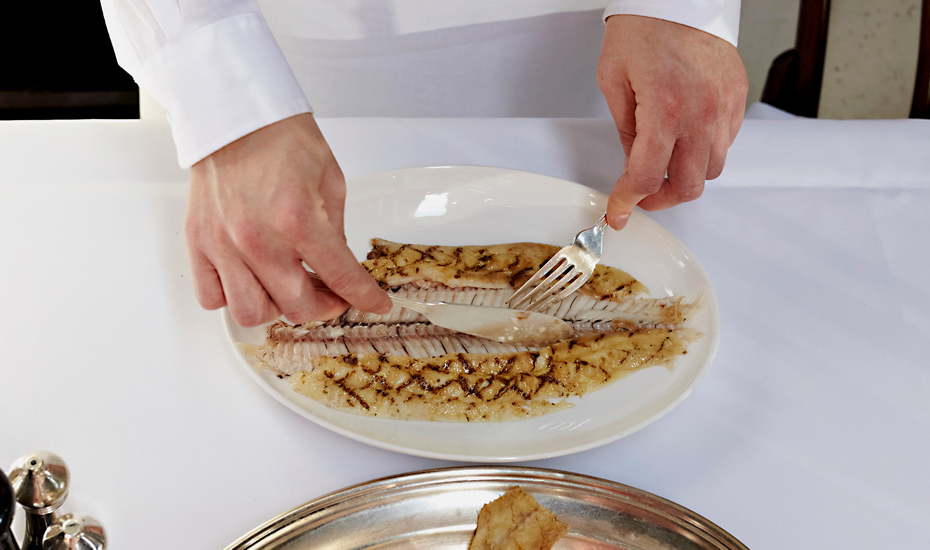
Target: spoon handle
419 307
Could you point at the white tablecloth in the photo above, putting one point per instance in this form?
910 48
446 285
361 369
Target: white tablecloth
811 430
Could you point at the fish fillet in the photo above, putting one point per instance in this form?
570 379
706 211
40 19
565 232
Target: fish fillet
492 266
400 366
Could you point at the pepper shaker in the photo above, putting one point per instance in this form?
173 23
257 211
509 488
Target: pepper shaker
40 483
7 508
75 532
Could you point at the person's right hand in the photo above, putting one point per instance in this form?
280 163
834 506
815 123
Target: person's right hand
260 206
677 95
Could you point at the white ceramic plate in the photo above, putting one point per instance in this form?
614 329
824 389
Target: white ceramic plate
456 205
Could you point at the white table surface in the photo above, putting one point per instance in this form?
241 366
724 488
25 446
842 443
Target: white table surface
811 430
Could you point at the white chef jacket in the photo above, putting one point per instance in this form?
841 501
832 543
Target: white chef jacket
225 68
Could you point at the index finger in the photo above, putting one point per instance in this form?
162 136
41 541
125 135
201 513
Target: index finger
331 259
643 175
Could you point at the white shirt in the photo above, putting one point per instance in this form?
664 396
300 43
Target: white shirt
225 68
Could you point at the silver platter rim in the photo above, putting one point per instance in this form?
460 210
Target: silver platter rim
336 504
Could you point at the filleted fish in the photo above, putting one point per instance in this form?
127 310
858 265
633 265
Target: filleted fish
400 366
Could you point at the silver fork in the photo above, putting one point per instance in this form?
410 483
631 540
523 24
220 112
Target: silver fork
564 273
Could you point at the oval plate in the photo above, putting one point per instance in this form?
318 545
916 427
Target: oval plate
438 509
456 205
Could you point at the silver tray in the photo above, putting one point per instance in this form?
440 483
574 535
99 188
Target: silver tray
438 509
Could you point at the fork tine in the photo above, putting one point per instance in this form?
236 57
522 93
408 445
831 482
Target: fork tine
550 282
554 280
565 286
575 285
533 283
542 283
562 294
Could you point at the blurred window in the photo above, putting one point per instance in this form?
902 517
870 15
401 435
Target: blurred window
57 63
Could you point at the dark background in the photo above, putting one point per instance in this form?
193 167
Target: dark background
56 62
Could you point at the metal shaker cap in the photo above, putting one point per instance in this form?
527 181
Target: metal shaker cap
75 532
40 481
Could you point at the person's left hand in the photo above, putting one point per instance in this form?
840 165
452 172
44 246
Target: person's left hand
677 95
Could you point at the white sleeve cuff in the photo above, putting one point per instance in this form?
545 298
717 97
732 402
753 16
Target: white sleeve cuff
221 82
717 17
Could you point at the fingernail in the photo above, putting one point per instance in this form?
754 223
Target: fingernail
618 221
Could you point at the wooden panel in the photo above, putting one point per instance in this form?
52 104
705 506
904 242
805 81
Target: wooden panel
813 26
920 106
794 79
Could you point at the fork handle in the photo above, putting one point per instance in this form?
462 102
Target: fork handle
596 230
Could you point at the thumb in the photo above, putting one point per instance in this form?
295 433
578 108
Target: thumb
626 194
643 175
620 204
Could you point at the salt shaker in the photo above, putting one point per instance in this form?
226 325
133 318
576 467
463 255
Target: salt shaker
75 532
40 483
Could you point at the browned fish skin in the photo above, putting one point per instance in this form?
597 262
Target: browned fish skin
492 266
